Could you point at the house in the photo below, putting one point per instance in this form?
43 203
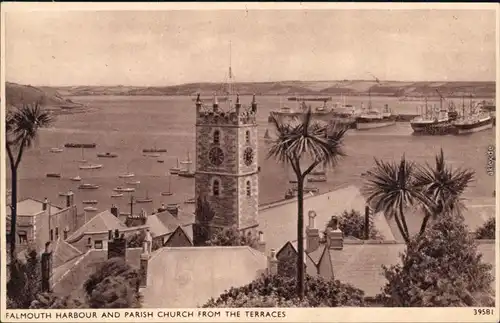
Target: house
353 261
33 226
94 233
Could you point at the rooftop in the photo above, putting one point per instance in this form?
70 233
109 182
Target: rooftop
189 277
360 262
32 207
278 221
102 222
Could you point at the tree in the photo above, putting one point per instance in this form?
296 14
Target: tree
25 280
487 230
443 187
389 188
352 224
21 130
305 139
204 215
280 291
441 267
114 284
232 237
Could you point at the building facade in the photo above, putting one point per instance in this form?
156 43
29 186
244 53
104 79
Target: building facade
227 163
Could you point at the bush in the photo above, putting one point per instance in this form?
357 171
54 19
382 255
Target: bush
487 230
232 237
25 280
440 268
279 291
352 224
113 285
52 301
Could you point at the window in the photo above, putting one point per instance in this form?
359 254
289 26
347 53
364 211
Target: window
57 233
65 234
247 136
51 235
89 241
216 188
216 137
98 244
23 237
249 189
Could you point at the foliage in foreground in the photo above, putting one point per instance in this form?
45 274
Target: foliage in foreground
113 285
487 230
25 280
280 291
352 224
441 268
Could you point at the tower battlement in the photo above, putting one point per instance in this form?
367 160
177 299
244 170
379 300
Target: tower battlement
238 114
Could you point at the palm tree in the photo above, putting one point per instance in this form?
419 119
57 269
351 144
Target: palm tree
21 131
389 188
443 187
299 139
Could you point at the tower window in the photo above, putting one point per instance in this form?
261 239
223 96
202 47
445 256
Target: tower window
247 136
51 235
249 189
216 188
216 137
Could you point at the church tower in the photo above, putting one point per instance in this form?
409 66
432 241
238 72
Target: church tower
227 163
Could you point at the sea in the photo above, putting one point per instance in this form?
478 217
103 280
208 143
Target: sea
127 124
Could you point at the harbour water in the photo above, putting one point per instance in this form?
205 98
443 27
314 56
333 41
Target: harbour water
127 124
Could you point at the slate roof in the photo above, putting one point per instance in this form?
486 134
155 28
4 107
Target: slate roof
183 219
102 222
32 207
278 221
63 252
359 262
189 277
71 275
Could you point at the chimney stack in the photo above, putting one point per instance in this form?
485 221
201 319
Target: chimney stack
117 246
45 204
149 241
69 198
334 237
114 211
46 266
312 234
261 244
272 263
143 271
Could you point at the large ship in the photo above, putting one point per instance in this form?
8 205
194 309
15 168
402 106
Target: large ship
474 120
434 121
321 113
489 107
373 118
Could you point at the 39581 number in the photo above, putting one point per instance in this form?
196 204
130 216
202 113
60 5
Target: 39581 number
483 311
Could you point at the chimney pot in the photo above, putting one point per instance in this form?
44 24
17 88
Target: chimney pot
312 215
272 263
261 245
44 204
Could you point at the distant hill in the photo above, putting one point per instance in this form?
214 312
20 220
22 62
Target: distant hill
17 95
292 88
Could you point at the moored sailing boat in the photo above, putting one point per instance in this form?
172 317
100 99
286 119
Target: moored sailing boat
186 172
175 170
169 192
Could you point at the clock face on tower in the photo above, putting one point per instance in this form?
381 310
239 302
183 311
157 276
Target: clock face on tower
248 156
216 156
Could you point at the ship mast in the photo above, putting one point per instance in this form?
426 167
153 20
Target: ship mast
230 85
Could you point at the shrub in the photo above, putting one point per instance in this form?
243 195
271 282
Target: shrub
487 230
441 268
52 301
279 291
232 237
25 280
352 224
114 284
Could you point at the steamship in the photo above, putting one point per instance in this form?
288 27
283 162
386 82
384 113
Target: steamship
373 118
477 119
434 122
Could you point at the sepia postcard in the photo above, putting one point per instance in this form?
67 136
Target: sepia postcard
242 162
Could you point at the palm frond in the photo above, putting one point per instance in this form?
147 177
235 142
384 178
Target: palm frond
23 124
306 138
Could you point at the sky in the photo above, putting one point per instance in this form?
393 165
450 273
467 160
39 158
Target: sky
155 48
